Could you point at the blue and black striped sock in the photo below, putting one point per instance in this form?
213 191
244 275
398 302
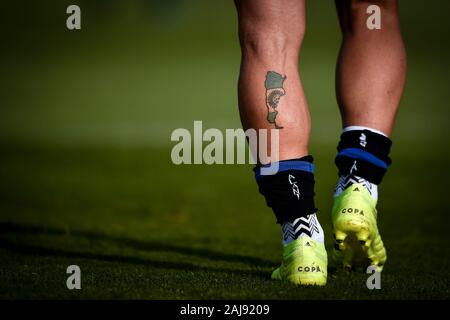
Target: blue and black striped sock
363 157
290 194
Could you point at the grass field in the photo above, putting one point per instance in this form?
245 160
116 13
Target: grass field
86 176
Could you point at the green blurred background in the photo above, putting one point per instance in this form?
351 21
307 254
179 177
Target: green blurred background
85 170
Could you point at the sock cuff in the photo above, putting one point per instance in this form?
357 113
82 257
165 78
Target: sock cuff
364 153
352 128
305 164
290 191
366 145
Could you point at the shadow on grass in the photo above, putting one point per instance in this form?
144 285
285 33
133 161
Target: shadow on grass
7 228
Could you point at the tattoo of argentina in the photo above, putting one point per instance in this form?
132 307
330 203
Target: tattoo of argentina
274 91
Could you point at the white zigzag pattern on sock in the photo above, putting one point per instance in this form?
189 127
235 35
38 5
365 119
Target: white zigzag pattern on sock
301 226
345 181
310 224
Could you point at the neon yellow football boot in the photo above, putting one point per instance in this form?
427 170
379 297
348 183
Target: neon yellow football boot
354 218
304 263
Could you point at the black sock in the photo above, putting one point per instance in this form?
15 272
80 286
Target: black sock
290 191
365 154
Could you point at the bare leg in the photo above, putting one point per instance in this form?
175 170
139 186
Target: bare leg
269 90
371 68
271 97
369 83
